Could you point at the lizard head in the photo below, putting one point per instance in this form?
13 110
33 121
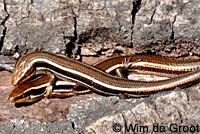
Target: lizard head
24 69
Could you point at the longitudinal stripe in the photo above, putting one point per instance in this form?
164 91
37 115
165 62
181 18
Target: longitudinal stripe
144 87
62 83
85 76
99 81
167 67
72 79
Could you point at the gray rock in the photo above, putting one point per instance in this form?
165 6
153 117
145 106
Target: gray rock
41 25
7 62
167 28
3 12
31 26
162 27
20 126
168 109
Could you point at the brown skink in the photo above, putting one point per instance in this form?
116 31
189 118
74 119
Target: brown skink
96 79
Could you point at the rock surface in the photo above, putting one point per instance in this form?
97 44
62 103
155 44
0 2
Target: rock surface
86 29
115 115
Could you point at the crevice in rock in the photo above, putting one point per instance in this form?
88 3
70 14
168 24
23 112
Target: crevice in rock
172 28
156 110
3 36
3 24
125 121
5 7
188 97
72 48
180 115
73 125
151 19
136 6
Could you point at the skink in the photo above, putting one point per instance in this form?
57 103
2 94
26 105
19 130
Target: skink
33 90
148 64
93 78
